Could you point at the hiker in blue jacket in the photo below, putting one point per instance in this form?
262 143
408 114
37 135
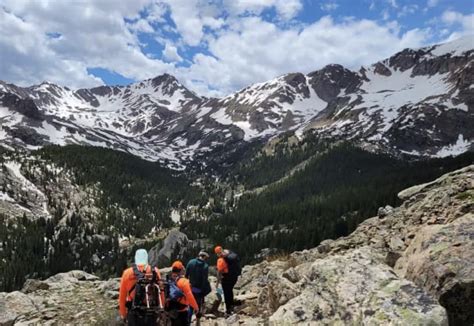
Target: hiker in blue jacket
197 271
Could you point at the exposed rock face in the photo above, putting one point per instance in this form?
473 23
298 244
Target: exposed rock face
161 254
26 107
23 192
440 259
332 79
358 288
176 244
411 266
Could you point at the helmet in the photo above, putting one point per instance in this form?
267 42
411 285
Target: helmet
141 257
177 266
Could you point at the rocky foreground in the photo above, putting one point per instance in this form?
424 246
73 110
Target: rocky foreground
411 265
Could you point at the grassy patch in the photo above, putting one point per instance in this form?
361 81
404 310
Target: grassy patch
466 195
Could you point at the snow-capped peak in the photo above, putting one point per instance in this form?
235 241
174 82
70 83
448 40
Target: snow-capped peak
417 101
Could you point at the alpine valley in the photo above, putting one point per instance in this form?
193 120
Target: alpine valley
89 175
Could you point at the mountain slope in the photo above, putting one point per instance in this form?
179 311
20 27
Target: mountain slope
418 101
411 265
78 207
333 193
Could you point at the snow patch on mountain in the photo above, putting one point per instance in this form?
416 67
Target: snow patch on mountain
456 47
461 146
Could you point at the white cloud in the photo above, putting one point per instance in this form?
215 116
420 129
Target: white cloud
329 6
141 25
393 3
27 58
286 9
191 17
170 53
432 3
408 10
234 46
93 34
464 23
256 50
186 15
453 17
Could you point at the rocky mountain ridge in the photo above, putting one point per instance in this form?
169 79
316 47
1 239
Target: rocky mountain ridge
409 265
419 101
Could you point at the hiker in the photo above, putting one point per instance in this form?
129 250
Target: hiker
197 271
228 271
139 290
180 296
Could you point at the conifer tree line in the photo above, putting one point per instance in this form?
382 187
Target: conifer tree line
34 249
258 167
130 198
338 189
146 190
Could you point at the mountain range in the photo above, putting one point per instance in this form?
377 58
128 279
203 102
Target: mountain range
418 102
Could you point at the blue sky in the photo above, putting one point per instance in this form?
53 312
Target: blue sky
213 47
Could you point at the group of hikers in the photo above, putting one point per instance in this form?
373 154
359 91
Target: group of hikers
145 298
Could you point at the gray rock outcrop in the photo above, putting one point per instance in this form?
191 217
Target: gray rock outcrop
73 298
173 245
358 288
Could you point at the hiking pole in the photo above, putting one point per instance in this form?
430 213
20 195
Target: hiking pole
146 296
159 296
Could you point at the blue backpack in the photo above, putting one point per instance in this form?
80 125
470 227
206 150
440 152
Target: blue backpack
174 292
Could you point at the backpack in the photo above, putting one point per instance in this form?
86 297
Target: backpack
233 264
143 285
173 293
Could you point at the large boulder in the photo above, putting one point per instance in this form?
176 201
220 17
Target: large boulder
110 288
7 316
69 279
15 306
72 298
173 245
441 259
32 285
358 288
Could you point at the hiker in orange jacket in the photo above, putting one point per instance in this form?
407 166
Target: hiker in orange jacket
228 271
184 300
127 290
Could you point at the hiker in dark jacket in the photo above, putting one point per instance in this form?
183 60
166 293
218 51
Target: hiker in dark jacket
197 271
228 271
